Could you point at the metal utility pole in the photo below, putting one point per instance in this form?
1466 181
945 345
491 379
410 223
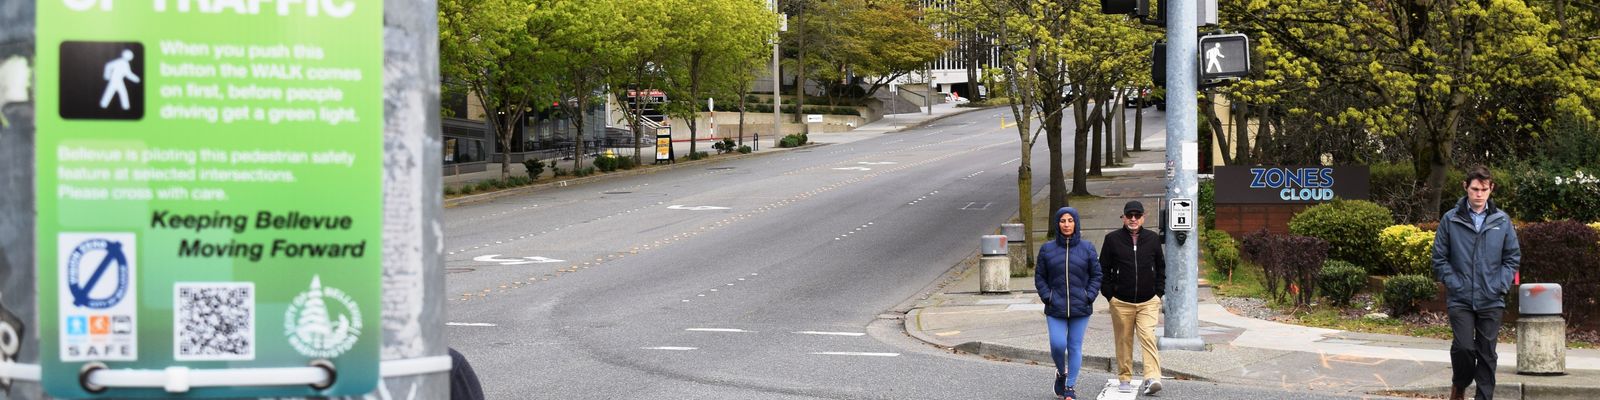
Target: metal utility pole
777 81
1181 312
927 98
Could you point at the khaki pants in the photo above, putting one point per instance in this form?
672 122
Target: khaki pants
1127 319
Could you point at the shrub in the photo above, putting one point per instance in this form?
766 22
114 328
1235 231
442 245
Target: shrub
1225 259
626 162
534 167
1290 264
485 186
449 191
1302 259
1349 226
1340 281
1546 195
795 140
1402 293
1394 186
1406 250
466 189
1564 252
744 149
1208 207
724 146
557 171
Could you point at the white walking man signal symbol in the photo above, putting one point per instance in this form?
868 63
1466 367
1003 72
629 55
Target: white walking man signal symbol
1214 58
116 71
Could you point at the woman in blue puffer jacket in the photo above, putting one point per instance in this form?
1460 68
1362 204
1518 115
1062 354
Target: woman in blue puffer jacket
1067 275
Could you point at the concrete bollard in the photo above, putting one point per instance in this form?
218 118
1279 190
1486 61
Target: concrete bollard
1017 249
994 269
1541 332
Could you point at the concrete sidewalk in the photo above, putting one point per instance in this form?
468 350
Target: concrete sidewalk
889 124
1241 350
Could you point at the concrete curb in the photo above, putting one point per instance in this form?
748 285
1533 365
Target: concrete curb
1510 390
960 110
491 196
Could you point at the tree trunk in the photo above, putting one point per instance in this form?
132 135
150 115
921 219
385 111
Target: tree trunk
1058 179
1080 145
741 117
1241 138
577 137
1138 124
972 67
1208 107
800 76
1111 134
1096 116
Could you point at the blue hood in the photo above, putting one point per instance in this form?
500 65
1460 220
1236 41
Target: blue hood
1077 230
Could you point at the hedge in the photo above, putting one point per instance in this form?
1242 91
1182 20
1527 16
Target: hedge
1349 226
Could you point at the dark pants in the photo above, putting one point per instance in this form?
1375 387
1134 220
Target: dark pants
1472 353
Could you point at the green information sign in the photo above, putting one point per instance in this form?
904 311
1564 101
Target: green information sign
209 190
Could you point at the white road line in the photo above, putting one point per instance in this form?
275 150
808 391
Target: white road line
718 330
851 353
831 333
671 348
468 324
1012 161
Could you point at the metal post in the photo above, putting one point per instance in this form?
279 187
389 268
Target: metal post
1181 311
927 99
777 82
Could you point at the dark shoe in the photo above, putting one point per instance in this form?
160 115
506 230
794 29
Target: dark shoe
1072 394
1457 393
1061 385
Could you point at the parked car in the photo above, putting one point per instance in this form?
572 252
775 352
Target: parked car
1136 100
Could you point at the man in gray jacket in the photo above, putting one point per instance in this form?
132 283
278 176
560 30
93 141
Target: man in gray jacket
1475 254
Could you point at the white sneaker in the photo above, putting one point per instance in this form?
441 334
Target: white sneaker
1151 387
1125 387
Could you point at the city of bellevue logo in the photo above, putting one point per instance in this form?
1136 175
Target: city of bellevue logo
314 331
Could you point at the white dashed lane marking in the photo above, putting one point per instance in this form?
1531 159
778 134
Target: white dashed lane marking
852 353
669 348
469 324
728 330
831 333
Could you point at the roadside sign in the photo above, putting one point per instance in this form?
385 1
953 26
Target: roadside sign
664 144
813 118
1182 213
209 192
1224 56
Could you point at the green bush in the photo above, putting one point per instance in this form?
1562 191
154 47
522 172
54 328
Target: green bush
625 162
1550 195
557 171
744 149
1394 186
1222 250
1406 249
449 191
1208 206
466 189
724 146
485 186
1349 226
1340 281
535 167
606 163
795 140
1402 293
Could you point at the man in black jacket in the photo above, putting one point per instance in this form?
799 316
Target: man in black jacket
1135 273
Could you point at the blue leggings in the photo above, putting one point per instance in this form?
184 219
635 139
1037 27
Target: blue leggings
1067 335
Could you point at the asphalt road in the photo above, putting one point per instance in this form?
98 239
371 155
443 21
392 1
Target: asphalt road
772 277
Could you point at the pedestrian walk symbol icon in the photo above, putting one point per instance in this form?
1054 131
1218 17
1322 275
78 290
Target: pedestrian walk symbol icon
101 80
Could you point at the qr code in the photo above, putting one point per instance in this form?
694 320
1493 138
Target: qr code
214 321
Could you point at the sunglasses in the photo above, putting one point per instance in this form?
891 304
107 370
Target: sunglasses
1134 215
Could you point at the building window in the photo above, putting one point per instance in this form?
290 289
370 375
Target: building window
462 150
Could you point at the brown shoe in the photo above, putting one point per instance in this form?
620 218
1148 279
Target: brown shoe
1457 393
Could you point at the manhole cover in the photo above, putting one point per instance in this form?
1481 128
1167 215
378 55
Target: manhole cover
458 270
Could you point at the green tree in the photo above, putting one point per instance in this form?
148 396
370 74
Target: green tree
585 38
1413 70
710 43
490 47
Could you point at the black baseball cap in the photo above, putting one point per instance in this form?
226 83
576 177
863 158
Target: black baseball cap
1133 206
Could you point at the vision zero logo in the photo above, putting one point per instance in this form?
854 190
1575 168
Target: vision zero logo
97 296
316 330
